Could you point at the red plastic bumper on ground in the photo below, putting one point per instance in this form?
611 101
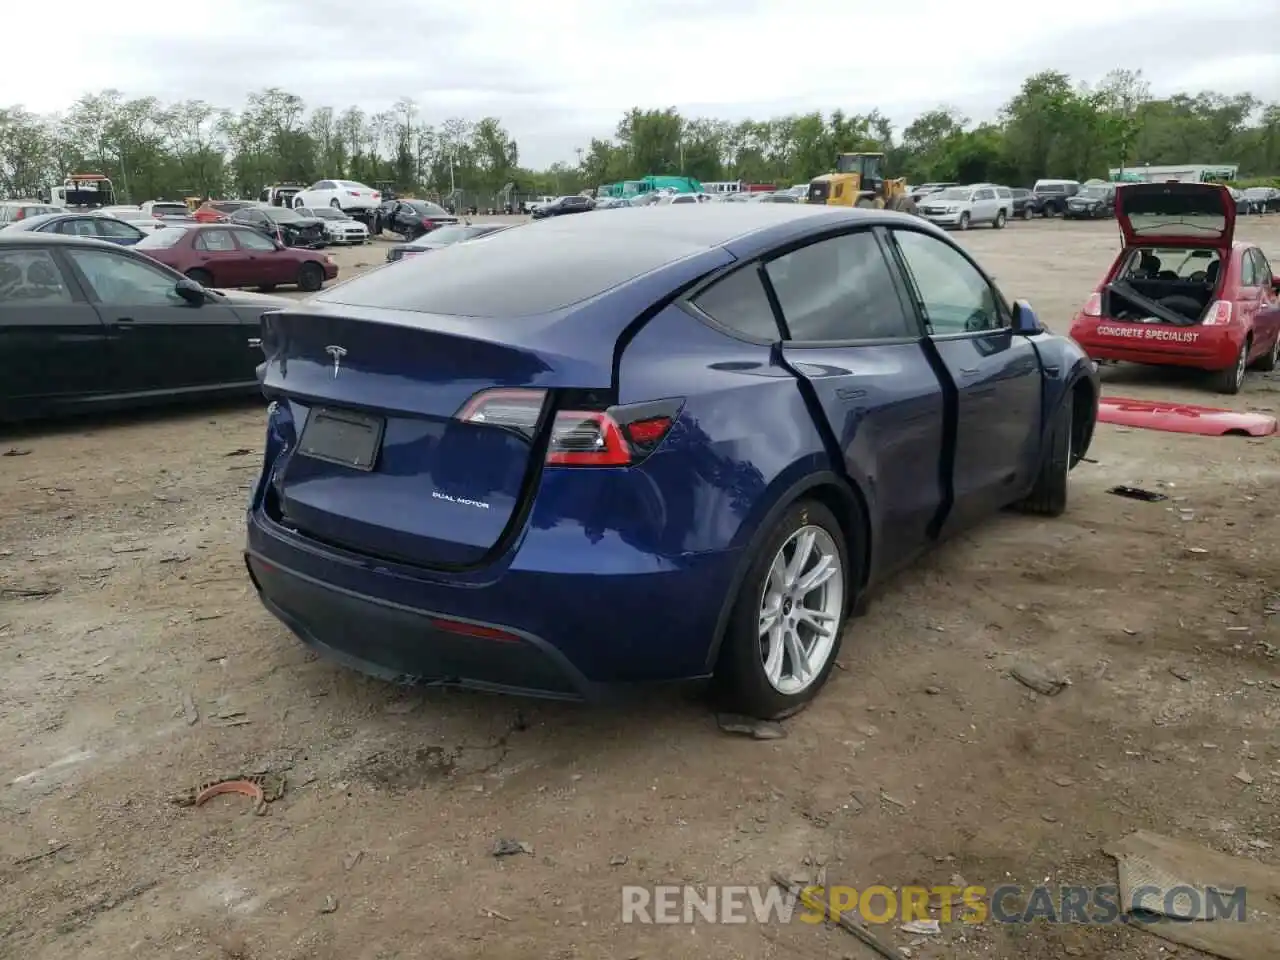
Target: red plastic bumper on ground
1184 418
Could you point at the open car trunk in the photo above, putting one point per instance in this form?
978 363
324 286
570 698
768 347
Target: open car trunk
1176 214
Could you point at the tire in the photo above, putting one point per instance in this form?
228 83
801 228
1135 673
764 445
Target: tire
964 221
1027 213
999 222
865 204
1269 361
748 680
310 277
1230 380
335 204
907 205
1050 211
202 277
1048 498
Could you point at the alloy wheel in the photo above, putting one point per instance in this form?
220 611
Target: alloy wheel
800 609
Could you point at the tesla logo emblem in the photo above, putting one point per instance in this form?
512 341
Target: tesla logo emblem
337 353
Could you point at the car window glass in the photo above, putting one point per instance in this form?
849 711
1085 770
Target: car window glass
120 280
215 240
839 289
739 302
1265 272
325 185
955 297
78 228
31 277
1248 270
254 241
114 228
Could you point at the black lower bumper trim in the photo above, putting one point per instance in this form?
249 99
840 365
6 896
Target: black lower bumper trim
403 645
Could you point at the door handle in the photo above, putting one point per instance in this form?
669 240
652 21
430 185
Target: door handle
255 342
969 372
123 321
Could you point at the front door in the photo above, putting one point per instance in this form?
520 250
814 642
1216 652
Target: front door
852 340
162 342
996 375
266 264
54 350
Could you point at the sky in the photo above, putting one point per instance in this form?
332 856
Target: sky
559 72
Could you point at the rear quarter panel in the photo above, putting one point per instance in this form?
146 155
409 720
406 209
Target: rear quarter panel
743 437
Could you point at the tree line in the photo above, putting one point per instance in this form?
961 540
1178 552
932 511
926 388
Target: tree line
1052 126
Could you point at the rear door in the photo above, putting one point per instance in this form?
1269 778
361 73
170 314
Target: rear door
852 339
54 349
1267 319
996 375
218 253
161 342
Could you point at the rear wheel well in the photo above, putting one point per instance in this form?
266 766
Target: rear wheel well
851 513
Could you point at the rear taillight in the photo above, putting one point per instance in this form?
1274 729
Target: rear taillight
1093 306
376 195
1219 314
353 193
21 214
615 437
429 224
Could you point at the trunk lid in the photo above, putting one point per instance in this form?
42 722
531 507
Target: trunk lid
1176 214
434 491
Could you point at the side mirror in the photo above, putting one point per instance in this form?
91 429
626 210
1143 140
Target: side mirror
190 291
1025 321
1275 283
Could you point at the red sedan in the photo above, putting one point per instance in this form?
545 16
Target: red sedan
215 211
1182 292
226 255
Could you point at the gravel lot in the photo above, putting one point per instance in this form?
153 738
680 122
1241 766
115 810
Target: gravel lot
148 668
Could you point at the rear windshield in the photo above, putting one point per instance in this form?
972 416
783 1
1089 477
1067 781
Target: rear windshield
162 239
168 209
322 213
1099 192
1051 188
953 193
448 235
427 208
229 206
282 214
514 273
1175 214
1159 263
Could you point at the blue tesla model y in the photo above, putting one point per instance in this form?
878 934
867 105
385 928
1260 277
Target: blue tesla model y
681 443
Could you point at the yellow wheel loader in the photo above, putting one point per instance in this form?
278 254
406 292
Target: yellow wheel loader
858 182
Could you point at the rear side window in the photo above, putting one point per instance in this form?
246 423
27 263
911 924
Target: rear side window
839 289
1248 270
31 277
739 303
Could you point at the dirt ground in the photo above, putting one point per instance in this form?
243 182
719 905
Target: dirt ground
149 668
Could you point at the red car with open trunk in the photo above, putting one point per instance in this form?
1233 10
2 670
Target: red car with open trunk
1182 291
227 255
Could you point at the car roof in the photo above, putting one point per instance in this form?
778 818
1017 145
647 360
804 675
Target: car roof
553 264
29 238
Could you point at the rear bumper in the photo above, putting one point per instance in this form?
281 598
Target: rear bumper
1211 348
588 615
401 644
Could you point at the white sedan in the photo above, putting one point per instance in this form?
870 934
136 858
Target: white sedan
338 227
346 195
